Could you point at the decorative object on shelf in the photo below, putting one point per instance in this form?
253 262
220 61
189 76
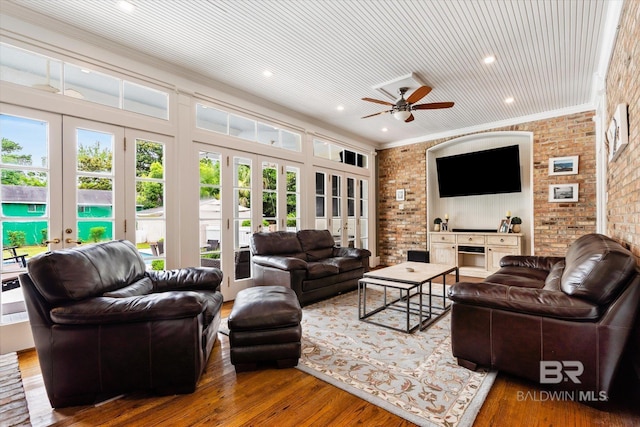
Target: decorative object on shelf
445 224
563 193
618 132
436 224
400 194
504 226
515 222
563 165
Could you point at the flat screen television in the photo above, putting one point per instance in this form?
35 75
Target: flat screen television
491 171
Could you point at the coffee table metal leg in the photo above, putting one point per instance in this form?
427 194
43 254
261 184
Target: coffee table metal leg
444 291
408 311
420 307
359 300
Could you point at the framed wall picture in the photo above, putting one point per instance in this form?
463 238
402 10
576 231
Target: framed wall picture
618 132
563 165
400 194
563 193
504 226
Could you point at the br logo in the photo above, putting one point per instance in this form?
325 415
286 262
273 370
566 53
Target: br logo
554 372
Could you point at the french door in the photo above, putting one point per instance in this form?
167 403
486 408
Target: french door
63 184
241 194
342 206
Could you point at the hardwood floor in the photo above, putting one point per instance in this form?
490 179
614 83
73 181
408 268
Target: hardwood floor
290 397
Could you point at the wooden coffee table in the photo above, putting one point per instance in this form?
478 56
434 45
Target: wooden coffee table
409 279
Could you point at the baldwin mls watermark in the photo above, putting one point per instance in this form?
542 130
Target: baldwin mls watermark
557 372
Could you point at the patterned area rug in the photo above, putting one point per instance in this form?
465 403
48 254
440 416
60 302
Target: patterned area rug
414 376
13 403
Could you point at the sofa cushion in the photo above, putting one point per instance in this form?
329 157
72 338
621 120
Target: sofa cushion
141 287
345 263
277 243
317 244
553 280
597 268
317 270
523 277
536 302
86 271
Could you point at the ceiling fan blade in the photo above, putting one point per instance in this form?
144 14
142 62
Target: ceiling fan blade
378 101
418 94
432 106
409 119
374 114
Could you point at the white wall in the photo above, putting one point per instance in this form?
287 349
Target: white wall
483 211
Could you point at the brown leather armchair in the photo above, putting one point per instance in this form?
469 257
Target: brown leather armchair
307 262
576 314
103 325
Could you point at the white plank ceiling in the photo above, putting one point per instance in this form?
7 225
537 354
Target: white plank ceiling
325 53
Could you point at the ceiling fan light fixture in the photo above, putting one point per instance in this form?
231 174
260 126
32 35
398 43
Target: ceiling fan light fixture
402 115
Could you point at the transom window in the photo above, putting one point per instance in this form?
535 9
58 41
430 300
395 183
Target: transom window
41 72
337 153
209 118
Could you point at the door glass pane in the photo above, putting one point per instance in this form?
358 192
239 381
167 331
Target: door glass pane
364 213
25 213
95 177
269 196
242 216
321 193
336 208
210 210
150 206
351 211
293 198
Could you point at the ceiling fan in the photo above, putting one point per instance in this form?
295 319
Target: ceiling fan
403 108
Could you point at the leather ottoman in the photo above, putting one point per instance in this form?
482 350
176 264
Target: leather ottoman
264 328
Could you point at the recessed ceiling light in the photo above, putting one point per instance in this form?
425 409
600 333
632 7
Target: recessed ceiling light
126 7
508 100
340 108
267 73
384 129
490 59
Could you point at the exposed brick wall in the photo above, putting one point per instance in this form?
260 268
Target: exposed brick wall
623 86
556 224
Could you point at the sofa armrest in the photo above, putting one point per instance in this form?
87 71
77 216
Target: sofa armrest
351 252
191 278
286 263
152 307
530 261
536 302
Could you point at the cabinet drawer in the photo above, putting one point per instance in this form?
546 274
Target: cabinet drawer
477 239
443 238
502 240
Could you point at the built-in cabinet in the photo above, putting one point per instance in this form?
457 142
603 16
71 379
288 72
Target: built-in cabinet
476 254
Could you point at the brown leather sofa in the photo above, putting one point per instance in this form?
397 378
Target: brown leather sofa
307 262
103 325
575 313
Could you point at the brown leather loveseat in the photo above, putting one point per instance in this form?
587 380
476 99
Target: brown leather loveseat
308 262
103 325
575 314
